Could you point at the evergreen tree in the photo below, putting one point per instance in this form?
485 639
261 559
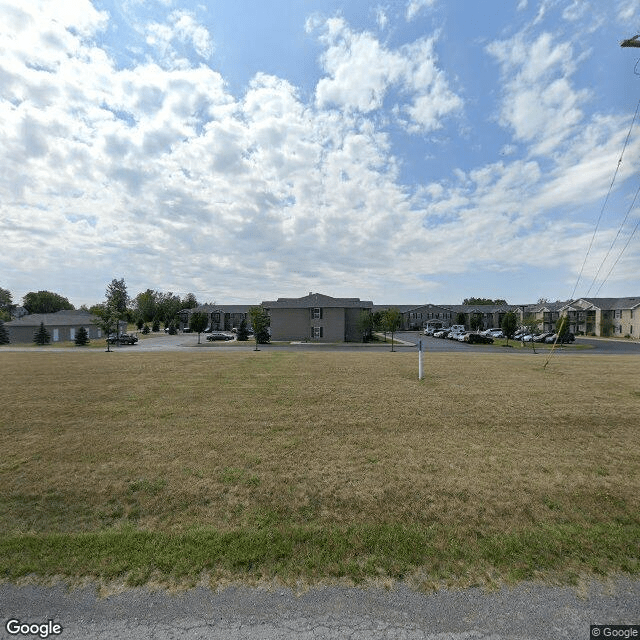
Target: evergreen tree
41 336
145 329
82 337
4 334
156 325
243 332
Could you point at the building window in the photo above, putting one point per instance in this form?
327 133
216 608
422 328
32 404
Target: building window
316 332
317 313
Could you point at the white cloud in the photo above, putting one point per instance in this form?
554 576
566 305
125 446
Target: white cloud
539 104
628 10
361 71
381 18
181 27
415 6
158 173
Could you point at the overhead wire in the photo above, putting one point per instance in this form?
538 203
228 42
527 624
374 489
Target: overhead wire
595 231
604 204
635 197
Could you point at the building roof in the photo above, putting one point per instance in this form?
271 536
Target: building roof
402 308
317 300
605 304
222 308
60 318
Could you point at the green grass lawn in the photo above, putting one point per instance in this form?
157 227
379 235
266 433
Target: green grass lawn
311 466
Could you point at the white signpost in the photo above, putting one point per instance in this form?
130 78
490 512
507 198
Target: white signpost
420 361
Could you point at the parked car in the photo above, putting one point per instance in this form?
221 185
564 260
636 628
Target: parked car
541 337
569 337
124 338
495 333
478 338
440 333
219 335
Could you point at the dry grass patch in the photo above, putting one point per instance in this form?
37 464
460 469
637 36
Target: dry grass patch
488 452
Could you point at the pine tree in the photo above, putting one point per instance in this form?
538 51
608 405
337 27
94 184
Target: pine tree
4 334
82 337
41 336
243 332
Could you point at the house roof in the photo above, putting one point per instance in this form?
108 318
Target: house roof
541 307
604 304
223 308
402 308
60 319
317 300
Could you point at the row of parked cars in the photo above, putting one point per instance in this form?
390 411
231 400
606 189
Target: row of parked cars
458 332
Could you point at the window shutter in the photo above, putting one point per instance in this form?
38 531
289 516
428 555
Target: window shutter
321 315
321 327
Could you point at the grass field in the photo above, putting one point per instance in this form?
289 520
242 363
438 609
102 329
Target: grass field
311 466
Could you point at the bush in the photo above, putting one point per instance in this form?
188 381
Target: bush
145 329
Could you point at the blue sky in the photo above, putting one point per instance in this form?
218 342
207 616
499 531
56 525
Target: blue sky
403 152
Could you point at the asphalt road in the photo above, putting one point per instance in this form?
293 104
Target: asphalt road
405 341
525 612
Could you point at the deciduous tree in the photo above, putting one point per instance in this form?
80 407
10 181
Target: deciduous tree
391 319
198 323
365 325
260 323
509 324
6 304
45 302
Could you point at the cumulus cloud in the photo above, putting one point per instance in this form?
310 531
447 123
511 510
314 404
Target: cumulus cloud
539 104
160 172
361 71
181 27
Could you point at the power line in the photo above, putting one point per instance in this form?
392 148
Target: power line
620 254
635 197
604 204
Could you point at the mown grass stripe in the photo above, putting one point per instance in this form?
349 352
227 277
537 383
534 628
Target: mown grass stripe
356 552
